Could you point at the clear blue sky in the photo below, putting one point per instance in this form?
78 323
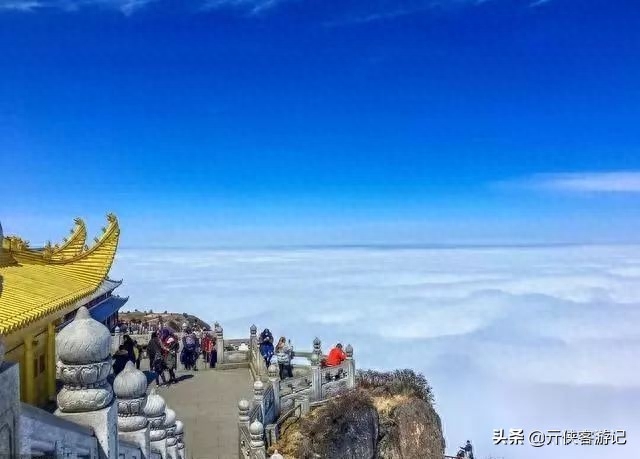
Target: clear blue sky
317 121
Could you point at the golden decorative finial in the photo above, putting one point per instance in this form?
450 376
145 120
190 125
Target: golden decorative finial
111 217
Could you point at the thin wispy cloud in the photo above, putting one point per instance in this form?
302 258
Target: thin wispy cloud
581 182
127 7
252 6
20 5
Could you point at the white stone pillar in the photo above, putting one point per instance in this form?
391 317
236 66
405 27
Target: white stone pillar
243 424
274 378
130 387
170 427
351 367
257 451
9 404
182 452
219 341
154 410
253 336
316 377
83 367
258 395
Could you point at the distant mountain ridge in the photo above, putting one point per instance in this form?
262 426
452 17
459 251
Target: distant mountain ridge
168 319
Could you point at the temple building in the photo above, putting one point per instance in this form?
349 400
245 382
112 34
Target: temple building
40 291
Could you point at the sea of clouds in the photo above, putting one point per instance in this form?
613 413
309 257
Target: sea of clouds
509 337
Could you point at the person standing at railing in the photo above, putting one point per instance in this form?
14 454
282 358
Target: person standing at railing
284 353
336 356
266 346
468 449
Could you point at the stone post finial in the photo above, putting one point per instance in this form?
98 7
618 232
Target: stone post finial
314 359
180 438
84 364
316 346
154 410
273 371
256 430
243 411
349 351
258 389
130 387
170 426
253 330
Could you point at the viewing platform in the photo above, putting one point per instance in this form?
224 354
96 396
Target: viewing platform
237 409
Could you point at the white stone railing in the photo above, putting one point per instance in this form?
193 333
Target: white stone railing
274 401
43 433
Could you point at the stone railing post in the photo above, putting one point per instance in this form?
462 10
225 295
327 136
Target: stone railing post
243 424
219 341
182 453
274 378
317 347
257 451
351 367
316 372
304 404
253 336
154 410
130 387
170 428
9 406
84 353
117 340
258 395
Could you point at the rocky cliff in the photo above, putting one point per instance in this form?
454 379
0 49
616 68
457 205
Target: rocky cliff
389 416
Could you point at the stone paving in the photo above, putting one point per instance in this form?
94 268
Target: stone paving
207 402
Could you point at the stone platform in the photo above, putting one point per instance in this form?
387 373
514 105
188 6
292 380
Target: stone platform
208 404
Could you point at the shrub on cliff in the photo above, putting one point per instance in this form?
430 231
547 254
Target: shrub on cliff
398 382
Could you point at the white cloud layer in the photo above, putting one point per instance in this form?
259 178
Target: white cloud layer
597 182
538 338
127 7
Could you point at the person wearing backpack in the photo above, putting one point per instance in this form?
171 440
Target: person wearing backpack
190 350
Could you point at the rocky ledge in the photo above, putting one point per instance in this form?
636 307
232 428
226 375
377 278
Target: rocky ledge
389 415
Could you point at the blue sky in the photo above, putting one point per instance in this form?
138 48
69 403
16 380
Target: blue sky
258 122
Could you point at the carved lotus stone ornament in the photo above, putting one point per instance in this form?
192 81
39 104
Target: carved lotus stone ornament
170 427
180 434
154 410
84 364
130 387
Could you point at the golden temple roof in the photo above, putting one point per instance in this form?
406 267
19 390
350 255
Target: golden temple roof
37 282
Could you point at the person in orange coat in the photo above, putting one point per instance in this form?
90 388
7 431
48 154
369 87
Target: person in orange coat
336 356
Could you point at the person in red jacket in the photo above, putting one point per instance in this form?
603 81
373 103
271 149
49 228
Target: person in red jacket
336 356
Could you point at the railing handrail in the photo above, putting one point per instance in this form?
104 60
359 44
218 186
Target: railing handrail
47 418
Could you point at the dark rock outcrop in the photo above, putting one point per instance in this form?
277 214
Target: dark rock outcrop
389 416
345 428
410 430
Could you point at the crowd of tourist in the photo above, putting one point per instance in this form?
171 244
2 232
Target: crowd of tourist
164 348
